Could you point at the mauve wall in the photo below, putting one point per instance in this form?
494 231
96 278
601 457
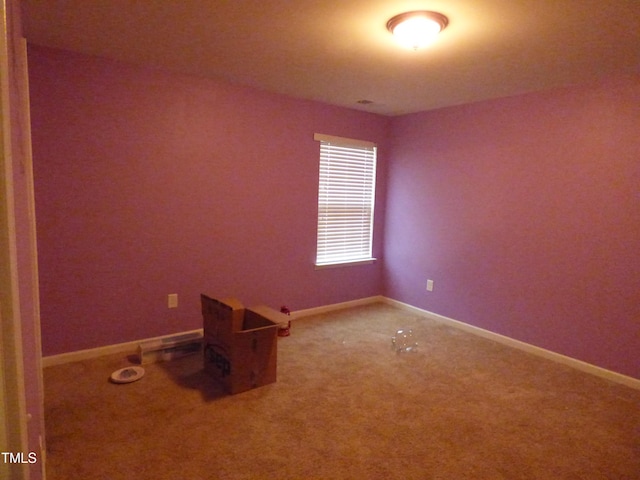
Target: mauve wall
525 211
150 183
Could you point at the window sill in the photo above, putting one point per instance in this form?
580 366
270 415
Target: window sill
366 261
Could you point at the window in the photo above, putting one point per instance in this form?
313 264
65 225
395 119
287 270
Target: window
346 195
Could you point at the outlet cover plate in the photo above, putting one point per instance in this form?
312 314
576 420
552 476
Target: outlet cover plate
172 300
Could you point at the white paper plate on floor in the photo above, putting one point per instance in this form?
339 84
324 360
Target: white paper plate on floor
127 375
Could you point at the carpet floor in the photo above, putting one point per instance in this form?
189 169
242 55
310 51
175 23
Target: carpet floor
346 406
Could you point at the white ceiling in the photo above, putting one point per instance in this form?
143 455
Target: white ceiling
339 51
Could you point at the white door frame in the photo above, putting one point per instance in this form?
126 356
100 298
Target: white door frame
13 411
13 428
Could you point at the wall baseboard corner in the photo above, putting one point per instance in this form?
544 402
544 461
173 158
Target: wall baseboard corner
131 347
526 347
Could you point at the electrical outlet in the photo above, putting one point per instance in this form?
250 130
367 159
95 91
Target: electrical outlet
429 285
172 300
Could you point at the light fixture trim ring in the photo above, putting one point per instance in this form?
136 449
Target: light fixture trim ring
439 18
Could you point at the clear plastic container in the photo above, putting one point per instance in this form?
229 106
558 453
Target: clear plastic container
404 341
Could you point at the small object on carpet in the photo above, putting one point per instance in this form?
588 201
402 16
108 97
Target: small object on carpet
404 341
127 375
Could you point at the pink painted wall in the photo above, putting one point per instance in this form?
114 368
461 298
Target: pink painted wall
150 183
525 210
526 213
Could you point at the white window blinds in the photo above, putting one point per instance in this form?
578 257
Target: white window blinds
346 197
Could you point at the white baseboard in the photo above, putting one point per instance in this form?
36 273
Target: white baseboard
131 347
336 306
541 352
127 347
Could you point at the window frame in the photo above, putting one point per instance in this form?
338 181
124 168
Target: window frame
366 154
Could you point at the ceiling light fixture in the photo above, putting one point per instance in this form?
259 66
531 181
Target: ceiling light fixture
417 29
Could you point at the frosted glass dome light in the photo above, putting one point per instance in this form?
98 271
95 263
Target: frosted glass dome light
417 29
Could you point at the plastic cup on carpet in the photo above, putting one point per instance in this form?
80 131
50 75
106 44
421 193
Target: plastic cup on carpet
404 341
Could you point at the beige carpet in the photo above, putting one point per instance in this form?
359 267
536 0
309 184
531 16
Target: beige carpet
345 406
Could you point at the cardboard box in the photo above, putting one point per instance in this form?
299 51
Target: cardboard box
221 317
245 358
